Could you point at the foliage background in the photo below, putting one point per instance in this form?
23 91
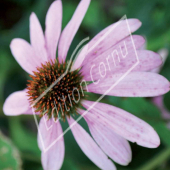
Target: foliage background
18 139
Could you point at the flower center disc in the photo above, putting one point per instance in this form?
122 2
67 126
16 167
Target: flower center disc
65 94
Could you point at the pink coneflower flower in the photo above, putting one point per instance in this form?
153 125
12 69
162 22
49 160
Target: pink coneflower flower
110 126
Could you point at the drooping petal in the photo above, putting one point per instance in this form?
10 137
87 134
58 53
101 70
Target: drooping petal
89 147
124 124
110 36
147 61
16 104
53 153
53 28
37 38
71 29
79 60
25 55
112 144
135 84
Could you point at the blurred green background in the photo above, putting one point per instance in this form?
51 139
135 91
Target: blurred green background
18 135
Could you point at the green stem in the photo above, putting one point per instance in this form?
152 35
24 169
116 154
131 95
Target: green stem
157 160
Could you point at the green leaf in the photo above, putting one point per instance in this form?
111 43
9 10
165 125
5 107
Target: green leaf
9 155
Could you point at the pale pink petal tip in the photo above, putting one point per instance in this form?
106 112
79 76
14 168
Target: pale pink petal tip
139 22
16 104
133 24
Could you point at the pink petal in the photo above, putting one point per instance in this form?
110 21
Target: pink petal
89 147
125 124
16 104
112 144
147 61
71 29
37 38
96 58
111 36
135 84
52 158
53 28
80 58
143 47
25 55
